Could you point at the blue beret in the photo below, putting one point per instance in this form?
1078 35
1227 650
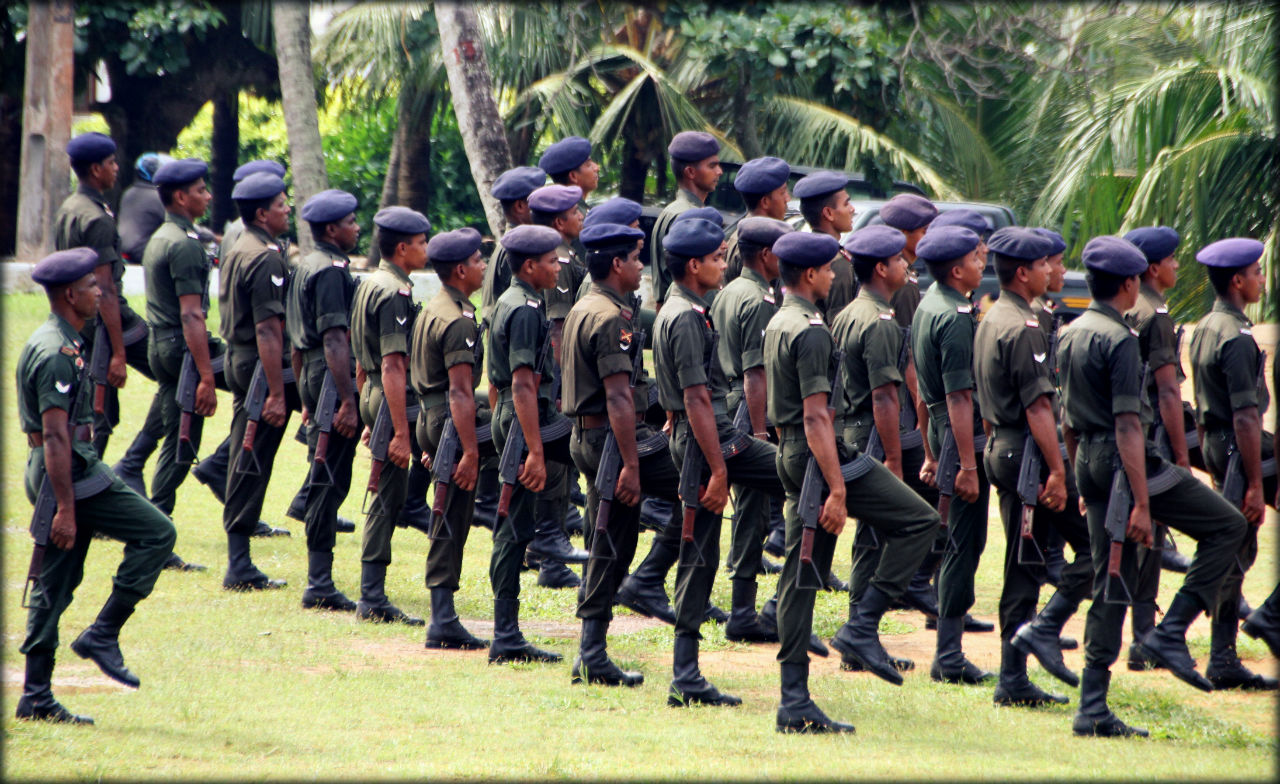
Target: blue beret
762 175
149 163
879 241
693 238
1056 243
262 185
701 213
180 172
253 167
947 243
328 206
1156 242
619 209
456 245
806 249
531 240
693 146
64 266
819 183
518 183
555 198
90 147
1019 243
565 155
1233 252
1114 255
971 219
759 230
402 219
601 234
908 212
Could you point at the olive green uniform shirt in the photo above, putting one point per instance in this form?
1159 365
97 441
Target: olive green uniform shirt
843 288
600 341
906 300
520 328
942 334
1224 367
1100 369
497 278
573 272
741 311
872 341
684 201
319 296
252 286
176 265
732 254
798 355
382 316
1157 336
445 334
682 352
1010 361
85 219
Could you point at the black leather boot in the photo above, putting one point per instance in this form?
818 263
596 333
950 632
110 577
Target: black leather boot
593 664
859 639
769 619
573 522
1225 670
797 713
744 623
175 563
776 542
1264 624
553 574
37 702
715 614
212 472
1094 717
298 506
509 645
950 665
644 590
129 469
321 593
1142 619
100 643
374 605
834 583
655 513
850 664
551 543
1167 643
485 508
1014 687
919 593
1173 561
265 529
446 631
1039 637
241 574
687 684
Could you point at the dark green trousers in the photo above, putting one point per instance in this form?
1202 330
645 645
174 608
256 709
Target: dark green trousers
247 488
1190 506
512 537
118 512
1020 591
320 514
384 506
444 556
658 477
905 525
968 527
165 358
1214 449
136 356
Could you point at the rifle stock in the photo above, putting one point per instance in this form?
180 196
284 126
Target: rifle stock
379 439
326 406
610 469
99 362
811 490
443 464
691 469
1029 553
253 403
948 468
188 381
513 450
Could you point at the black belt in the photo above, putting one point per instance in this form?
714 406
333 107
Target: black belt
78 433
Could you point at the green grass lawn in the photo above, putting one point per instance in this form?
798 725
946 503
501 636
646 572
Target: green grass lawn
250 686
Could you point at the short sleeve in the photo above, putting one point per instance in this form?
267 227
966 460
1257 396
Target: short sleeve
611 343
561 297
1238 360
1126 384
524 338
330 298
956 347
100 235
395 321
1161 343
1028 365
266 283
812 352
880 346
56 381
688 350
755 317
188 266
459 341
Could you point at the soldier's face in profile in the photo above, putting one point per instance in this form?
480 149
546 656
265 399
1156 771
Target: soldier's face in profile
346 232
414 252
546 269
822 278
777 202
84 296
629 271
586 176
1038 276
895 272
107 171
706 173
711 269
1250 281
471 273
277 215
970 271
1057 272
841 216
197 197
1167 272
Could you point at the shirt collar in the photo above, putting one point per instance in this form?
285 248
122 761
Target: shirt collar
692 198
68 332
460 299
1149 291
796 301
1220 305
611 293
865 292
756 278
1108 311
681 291
182 221
524 286
332 250
92 193
1017 301
399 274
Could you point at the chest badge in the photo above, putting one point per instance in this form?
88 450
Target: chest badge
964 308
278 281
1039 357
403 292
400 320
61 387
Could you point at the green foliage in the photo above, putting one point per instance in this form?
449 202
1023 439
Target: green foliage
455 201
357 144
155 38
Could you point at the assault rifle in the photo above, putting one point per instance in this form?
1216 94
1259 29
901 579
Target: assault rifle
1233 480
513 450
812 488
691 468
253 403
379 439
948 468
326 407
610 469
188 381
99 362
1119 505
1029 476
445 460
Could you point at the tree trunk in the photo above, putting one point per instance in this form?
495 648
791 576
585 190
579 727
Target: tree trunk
46 124
225 153
415 186
744 119
483 134
391 182
298 98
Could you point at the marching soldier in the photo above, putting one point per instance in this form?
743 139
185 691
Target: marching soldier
942 344
236 227
798 360
511 189
1231 398
251 303
318 316
569 162
1099 366
911 214
1016 393
742 311
762 183
825 205
382 316
53 408
445 359
695 162
86 220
